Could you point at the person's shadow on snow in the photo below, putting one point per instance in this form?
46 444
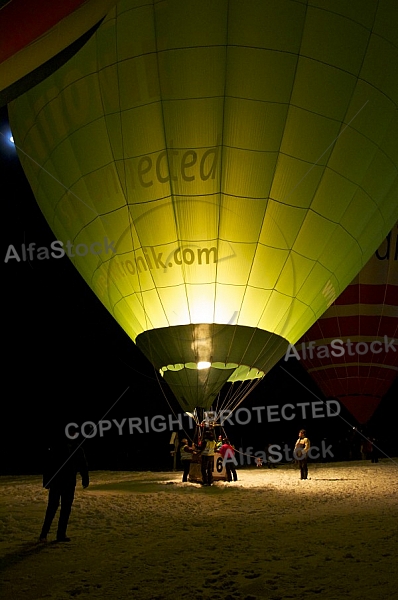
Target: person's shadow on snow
22 553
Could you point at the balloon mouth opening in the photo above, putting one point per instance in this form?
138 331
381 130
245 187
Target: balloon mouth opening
241 372
209 355
195 366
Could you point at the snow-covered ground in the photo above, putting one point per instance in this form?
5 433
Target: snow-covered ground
147 536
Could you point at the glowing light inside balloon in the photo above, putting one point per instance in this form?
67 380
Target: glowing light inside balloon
204 364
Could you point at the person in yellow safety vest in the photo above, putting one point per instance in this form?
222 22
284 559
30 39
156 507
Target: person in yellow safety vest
207 449
186 452
219 443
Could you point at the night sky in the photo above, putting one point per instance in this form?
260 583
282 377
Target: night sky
67 360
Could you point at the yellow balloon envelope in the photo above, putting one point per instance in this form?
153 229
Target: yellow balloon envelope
222 169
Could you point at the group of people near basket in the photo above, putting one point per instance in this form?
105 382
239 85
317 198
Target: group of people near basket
207 449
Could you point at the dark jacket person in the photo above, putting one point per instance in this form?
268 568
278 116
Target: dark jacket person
63 461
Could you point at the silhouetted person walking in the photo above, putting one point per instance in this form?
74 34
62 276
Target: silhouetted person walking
374 451
64 461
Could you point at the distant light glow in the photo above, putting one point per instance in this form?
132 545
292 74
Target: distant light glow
11 139
203 364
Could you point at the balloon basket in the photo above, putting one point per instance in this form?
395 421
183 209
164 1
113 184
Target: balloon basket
219 471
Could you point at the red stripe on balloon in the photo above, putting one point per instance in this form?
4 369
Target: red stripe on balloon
353 380
372 326
23 21
368 294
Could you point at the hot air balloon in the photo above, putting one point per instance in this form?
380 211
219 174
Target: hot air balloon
222 169
38 37
352 350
